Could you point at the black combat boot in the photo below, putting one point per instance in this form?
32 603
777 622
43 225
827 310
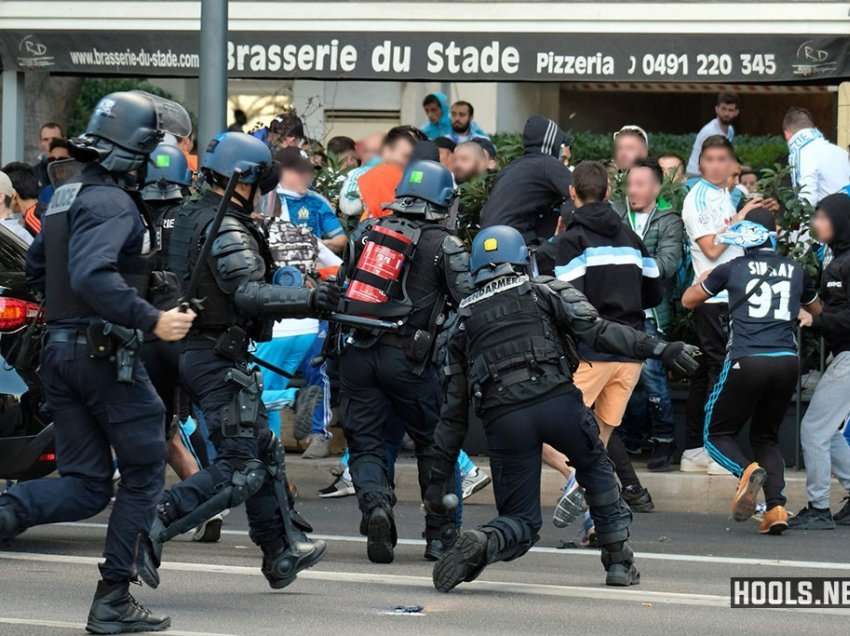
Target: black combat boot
436 543
381 537
281 564
618 561
115 611
464 561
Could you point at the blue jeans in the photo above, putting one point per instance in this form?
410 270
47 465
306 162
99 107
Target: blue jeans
652 397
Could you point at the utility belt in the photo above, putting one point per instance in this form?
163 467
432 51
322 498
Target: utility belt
241 416
105 341
500 380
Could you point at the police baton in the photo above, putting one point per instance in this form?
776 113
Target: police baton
365 323
189 300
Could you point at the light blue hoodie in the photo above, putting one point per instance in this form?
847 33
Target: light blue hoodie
443 127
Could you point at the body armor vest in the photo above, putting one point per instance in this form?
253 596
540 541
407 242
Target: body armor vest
61 301
514 350
219 311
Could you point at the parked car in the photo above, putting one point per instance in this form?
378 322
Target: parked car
26 434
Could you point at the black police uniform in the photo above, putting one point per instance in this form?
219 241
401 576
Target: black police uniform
390 378
512 354
239 306
161 359
88 261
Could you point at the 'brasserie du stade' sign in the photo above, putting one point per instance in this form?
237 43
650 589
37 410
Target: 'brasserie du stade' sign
440 56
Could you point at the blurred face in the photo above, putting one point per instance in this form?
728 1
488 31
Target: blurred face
716 166
627 150
347 159
734 175
726 113
461 117
566 154
642 188
469 162
446 157
296 180
750 182
672 167
369 147
433 112
823 227
47 135
398 153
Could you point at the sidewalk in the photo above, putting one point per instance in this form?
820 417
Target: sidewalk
671 492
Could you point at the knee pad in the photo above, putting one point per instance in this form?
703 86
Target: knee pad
245 482
611 516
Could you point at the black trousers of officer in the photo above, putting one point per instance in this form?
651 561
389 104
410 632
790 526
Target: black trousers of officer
515 440
757 389
93 413
379 385
162 361
202 372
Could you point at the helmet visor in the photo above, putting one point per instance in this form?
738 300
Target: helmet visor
61 171
171 117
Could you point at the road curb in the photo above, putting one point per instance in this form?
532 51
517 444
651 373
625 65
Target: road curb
671 492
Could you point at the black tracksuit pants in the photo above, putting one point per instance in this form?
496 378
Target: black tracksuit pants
712 327
757 389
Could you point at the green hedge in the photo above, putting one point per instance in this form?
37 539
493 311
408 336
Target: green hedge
759 152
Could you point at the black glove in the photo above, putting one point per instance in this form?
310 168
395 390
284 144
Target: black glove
679 357
325 297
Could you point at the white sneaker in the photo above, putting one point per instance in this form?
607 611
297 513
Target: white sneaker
571 504
473 481
695 460
716 469
210 530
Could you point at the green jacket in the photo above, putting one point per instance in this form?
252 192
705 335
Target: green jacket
664 239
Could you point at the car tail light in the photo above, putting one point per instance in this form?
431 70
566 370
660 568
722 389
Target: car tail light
47 457
15 313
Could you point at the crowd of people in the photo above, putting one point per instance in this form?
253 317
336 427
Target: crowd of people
557 311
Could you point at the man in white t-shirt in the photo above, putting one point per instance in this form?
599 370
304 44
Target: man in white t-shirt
818 167
707 211
726 112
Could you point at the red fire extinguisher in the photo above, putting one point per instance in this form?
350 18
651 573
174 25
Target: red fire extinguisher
380 260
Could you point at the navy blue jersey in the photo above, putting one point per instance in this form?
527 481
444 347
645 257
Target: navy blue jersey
763 324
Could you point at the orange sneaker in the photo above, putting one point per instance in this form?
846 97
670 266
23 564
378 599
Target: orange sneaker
744 503
774 521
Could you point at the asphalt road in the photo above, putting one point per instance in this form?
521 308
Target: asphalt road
47 577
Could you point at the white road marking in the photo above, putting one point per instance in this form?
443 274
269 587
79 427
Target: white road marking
636 594
80 626
650 556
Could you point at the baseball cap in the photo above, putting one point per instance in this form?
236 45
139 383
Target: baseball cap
293 158
6 188
634 129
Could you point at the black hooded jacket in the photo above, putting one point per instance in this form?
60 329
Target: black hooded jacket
606 261
834 322
529 190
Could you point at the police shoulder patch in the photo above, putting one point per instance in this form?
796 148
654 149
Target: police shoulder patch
63 198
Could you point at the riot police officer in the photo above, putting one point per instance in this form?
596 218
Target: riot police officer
239 305
89 263
165 180
512 353
409 268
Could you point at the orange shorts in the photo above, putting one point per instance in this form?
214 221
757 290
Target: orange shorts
607 387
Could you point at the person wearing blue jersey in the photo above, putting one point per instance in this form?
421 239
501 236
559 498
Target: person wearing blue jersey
436 107
759 374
